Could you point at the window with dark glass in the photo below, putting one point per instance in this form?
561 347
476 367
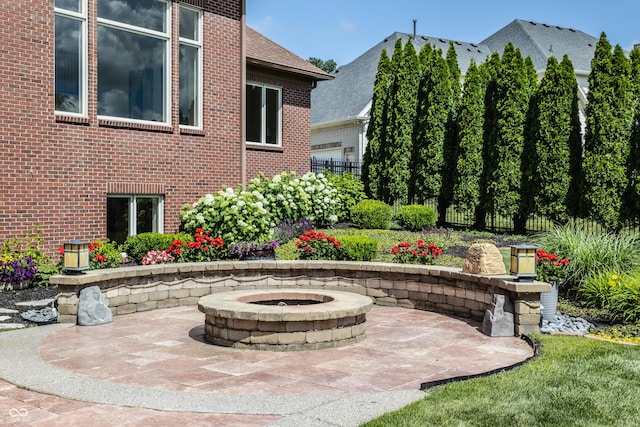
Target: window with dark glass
128 215
133 59
70 50
190 106
263 113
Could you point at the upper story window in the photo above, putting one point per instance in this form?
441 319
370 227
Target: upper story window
70 56
190 81
264 114
134 59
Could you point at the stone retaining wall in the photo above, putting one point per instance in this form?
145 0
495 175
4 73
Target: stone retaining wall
431 288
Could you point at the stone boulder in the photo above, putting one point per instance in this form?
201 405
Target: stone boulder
92 308
498 319
484 258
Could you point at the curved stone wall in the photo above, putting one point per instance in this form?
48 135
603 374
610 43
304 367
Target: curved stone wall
432 288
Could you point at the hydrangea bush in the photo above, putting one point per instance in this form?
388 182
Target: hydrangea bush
233 215
291 197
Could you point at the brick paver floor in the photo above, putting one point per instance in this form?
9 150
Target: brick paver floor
165 350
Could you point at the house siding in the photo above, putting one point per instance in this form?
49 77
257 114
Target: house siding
57 170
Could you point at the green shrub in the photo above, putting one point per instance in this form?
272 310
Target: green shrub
231 214
415 217
351 191
371 214
137 246
358 248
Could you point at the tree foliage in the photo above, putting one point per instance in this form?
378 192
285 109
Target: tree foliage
327 66
433 111
553 131
512 101
375 131
633 195
606 149
469 160
400 116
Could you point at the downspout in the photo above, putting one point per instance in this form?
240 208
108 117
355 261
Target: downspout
243 96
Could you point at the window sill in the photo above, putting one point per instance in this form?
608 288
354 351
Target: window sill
261 147
192 131
76 120
150 127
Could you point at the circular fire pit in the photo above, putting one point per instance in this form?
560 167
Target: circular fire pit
284 319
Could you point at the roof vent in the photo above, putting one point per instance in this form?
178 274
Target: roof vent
442 41
560 28
469 49
572 30
424 38
532 23
546 25
474 45
458 43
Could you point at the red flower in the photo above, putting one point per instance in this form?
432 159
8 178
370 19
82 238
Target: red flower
200 230
61 250
395 250
101 258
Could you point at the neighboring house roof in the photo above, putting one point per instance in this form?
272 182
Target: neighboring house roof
265 53
542 41
349 94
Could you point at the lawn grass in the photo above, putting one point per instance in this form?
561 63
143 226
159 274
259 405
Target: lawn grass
576 382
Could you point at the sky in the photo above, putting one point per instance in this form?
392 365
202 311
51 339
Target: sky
342 30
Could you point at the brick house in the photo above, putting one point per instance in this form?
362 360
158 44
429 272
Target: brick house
117 113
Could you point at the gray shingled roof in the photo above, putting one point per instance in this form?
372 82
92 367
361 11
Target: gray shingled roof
542 41
352 89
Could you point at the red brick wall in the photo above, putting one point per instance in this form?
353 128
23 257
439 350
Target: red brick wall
57 173
295 153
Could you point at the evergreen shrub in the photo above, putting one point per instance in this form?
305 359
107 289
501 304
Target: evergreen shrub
415 217
358 248
371 214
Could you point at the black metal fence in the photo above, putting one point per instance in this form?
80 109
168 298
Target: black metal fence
465 219
501 224
336 166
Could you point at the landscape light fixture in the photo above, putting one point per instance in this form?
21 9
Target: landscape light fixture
523 262
76 256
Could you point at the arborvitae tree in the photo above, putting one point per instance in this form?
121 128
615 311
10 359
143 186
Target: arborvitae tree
575 142
469 161
606 149
433 111
490 69
547 164
423 57
451 138
375 129
402 109
513 91
633 206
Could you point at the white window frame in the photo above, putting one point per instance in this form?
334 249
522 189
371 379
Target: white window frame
84 57
133 209
263 136
196 44
166 36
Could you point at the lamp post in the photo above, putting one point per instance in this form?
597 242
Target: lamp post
523 262
76 256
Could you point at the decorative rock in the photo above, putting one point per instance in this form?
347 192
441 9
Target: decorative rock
43 315
8 311
484 258
92 309
498 319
